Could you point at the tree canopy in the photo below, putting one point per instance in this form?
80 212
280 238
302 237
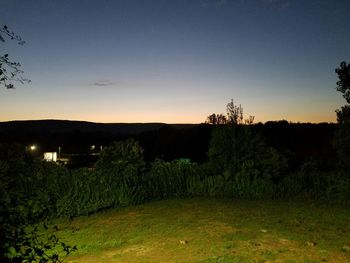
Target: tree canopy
216 119
342 138
343 84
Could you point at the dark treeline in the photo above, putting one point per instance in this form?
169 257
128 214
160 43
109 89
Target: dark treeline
297 141
301 142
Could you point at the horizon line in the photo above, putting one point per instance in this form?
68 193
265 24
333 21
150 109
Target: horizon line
159 122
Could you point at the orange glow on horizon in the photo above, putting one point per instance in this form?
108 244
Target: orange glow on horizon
171 118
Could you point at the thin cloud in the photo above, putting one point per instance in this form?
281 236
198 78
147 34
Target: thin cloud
103 83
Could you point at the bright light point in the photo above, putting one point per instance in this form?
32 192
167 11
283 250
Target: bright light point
32 147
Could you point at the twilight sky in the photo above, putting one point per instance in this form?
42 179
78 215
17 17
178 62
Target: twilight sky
175 61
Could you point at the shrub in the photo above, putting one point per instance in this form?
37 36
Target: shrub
232 147
21 207
170 179
117 180
127 157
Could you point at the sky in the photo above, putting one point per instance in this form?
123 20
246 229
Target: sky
175 61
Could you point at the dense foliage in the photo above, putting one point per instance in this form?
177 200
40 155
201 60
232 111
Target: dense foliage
240 165
22 205
342 138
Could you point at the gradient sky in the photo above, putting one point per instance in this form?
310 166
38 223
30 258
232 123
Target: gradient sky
175 61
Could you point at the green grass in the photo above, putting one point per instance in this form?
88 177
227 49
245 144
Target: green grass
211 230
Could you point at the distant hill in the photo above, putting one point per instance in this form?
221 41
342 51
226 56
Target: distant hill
64 126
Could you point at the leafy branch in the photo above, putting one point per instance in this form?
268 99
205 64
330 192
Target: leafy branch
29 246
10 71
5 31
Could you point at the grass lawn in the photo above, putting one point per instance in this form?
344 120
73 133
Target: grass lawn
211 230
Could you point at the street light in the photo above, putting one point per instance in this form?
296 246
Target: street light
32 147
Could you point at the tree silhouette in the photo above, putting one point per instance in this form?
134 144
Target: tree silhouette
216 119
343 84
10 70
234 116
234 113
236 149
250 120
342 137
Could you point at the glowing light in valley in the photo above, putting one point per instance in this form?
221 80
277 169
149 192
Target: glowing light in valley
33 147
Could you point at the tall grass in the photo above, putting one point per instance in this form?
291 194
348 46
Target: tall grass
80 192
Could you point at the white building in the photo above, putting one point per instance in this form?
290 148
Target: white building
50 156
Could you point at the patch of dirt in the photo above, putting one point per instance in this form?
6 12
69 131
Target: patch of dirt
285 249
136 250
215 228
115 219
